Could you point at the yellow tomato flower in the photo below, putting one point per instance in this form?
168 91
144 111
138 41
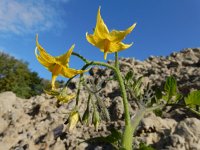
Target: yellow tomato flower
57 65
108 42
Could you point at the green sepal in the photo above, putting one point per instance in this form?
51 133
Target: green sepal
96 119
52 92
86 115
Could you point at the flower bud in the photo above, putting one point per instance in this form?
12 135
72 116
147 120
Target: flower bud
96 119
73 120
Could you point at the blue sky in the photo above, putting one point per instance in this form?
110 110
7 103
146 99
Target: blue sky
163 26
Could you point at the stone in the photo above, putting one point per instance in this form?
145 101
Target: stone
37 123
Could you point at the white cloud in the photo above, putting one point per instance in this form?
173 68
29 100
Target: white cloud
26 16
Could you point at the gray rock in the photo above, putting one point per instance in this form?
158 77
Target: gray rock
37 123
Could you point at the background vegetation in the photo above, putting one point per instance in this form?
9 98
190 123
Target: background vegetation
16 76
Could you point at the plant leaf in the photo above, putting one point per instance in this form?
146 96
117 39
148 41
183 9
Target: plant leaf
137 86
143 146
170 86
193 98
129 75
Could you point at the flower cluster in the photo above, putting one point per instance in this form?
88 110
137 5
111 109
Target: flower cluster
107 42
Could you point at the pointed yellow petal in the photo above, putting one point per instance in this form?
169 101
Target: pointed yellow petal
117 36
69 72
94 40
66 98
43 53
90 39
64 59
101 29
44 62
115 47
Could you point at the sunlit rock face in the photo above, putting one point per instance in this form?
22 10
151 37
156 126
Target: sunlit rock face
38 122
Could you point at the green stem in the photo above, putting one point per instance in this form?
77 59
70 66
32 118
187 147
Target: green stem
123 90
127 137
137 118
83 68
194 111
140 114
81 76
155 107
116 60
81 57
78 91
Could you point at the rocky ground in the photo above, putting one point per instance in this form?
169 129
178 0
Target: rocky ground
38 123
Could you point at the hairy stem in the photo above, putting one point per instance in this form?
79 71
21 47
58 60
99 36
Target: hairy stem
81 57
127 137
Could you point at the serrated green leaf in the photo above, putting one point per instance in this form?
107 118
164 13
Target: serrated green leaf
170 89
137 86
129 75
193 98
170 86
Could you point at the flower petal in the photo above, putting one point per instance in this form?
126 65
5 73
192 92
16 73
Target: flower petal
64 59
116 47
101 29
69 72
43 53
66 98
118 36
44 62
94 40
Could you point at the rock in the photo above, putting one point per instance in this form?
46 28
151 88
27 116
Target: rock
37 123
154 123
187 134
58 131
116 109
8 99
3 125
59 145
